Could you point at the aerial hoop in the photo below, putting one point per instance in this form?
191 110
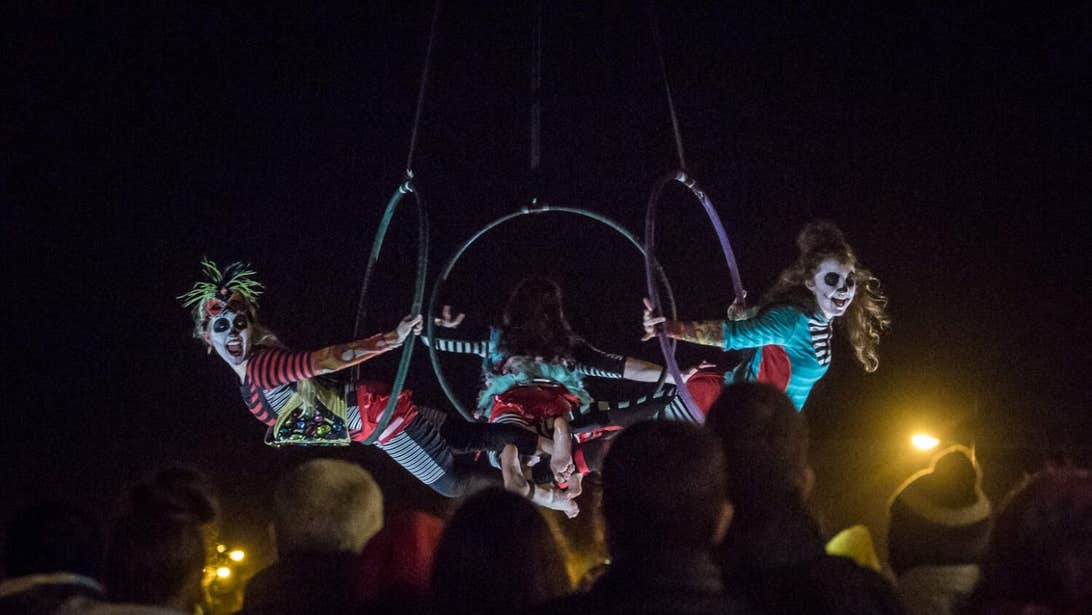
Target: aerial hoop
667 345
406 187
430 320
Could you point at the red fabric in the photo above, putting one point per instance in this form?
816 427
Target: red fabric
595 434
257 404
371 398
533 403
272 367
775 367
399 558
705 388
579 461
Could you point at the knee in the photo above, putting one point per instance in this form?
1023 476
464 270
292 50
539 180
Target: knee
448 487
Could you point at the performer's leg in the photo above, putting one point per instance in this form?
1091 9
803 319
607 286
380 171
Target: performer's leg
619 414
561 455
466 437
423 451
704 387
589 455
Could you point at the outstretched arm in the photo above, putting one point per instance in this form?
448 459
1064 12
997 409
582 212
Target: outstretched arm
446 321
590 361
274 367
341 356
459 346
775 325
704 332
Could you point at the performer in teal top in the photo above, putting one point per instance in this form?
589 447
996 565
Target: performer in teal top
792 332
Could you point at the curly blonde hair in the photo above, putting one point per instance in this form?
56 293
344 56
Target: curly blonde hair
866 317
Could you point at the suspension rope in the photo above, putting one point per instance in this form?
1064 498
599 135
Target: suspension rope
406 187
424 86
536 92
655 24
667 345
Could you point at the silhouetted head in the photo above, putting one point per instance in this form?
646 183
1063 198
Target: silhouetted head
664 484
939 516
326 506
497 555
1040 552
56 536
157 551
534 321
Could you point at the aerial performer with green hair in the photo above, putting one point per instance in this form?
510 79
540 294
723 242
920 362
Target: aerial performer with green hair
789 336
306 398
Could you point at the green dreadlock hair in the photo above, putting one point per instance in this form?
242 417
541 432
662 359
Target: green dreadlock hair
237 278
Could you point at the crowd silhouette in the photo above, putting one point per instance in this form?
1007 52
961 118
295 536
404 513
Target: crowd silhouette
698 519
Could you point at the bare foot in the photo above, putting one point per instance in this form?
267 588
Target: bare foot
576 485
563 468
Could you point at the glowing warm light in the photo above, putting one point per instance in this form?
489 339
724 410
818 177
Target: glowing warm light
223 572
237 555
221 548
924 442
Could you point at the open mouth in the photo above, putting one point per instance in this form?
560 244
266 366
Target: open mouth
839 303
235 348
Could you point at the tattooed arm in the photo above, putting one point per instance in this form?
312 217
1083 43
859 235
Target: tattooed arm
704 332
342 356
775 325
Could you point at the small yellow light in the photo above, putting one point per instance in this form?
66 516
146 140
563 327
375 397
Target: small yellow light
223 572
924 442
221 548
237 555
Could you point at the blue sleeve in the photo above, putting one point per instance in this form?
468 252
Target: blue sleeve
773 326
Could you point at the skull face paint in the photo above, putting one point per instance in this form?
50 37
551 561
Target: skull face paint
834 287
229 333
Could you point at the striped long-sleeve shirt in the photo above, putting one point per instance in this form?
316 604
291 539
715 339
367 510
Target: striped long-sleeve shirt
272 373
588 360
270 376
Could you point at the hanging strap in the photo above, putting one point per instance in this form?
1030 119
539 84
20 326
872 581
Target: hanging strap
655 24
424 86
535 119
536 92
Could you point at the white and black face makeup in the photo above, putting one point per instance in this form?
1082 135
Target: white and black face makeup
834 287
229 333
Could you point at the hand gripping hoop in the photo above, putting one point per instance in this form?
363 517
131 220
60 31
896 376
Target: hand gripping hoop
650 266
667 345
406 187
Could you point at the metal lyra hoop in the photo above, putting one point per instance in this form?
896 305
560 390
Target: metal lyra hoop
406 188
531 210
667 345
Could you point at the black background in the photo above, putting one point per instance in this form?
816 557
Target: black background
950 144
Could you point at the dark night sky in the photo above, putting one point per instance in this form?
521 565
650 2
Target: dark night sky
951 145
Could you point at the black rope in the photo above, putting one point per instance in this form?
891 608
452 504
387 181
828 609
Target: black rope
535 120
424 85
655 23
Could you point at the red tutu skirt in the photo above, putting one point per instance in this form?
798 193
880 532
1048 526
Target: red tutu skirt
372 398
534 403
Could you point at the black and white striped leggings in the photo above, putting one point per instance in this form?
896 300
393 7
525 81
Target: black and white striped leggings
428 445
